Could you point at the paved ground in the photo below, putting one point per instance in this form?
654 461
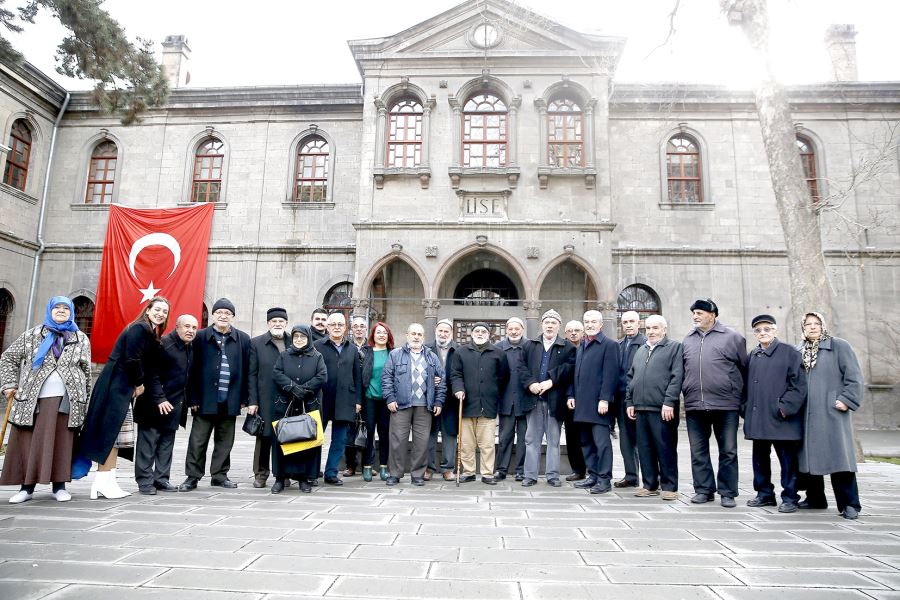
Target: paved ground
370 541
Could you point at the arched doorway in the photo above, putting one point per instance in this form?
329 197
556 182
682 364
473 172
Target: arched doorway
395 296
84 314
339 299
7 305
569 289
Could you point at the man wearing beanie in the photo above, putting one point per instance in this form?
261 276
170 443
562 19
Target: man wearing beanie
628 347
444 347
479 373
773 414
545 373
218 390
264 351
512 418
715 363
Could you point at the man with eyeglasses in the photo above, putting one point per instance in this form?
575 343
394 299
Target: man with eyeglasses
773 414
359 334
715 363
574 332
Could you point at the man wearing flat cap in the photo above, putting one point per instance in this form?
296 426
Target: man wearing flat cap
511 417
773 414
218 390
715 363
264 351
479 373
444 347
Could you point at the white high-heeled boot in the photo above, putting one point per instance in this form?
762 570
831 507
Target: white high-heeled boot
105 485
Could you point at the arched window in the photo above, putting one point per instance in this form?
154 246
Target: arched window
683 170
808 160
16 173
206 185
484 136
639 298
312 171
339 299
565 134
7 304
84 314
486 287
404 139
102 173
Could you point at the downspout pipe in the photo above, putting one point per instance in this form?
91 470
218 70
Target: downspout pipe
40 231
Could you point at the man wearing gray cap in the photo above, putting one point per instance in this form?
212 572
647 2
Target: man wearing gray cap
512 418
444 347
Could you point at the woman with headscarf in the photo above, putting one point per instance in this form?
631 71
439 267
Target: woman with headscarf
299 375
46 374
834 388
109 426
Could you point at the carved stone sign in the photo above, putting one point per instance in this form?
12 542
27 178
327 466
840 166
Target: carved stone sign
483 206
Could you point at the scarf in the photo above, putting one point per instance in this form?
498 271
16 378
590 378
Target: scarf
811 347
57 333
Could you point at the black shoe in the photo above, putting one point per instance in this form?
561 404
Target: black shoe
466 478
702 498
787 507
805 505
728 502
488 481
850 513
575 476
602 487
499 476
520 477
762 501
555 482
188 484
587 483
527 482
225 483
333 481
165 487
305 487
147 490
392 480
625 483
419 481
278 486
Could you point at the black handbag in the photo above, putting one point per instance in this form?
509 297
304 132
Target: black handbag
361 435
299 428
254 424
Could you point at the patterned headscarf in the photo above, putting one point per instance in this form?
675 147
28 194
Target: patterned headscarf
57 333
811 347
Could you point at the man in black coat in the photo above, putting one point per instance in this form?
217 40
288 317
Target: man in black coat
628 346
447 422
775 395
264 351
479 373
317 321
342 394
218 391
158 419
359 336
513 422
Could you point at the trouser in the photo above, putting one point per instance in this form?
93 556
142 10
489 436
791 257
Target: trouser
513 428
627 441
597 448
378 418
339 431
541 423
416 419
724 425
153 455
846 492
477 432
657 442
573 444
788 457
261 454
221 428
445 424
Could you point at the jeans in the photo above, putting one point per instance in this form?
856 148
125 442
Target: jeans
339 431
541 423
788 457
724 425
657 443
378 418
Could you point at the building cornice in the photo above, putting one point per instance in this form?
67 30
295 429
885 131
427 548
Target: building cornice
257 250
469 225
751 252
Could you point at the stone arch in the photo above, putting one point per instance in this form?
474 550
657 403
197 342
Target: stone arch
394 92
312 131
570 285
393 291
584 264
567 87
85 154
528 291
683 129
486 82
384 261
38 155
193 144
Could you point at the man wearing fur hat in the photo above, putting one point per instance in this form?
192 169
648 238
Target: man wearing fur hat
512 418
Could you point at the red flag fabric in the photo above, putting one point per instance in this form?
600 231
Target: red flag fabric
147 253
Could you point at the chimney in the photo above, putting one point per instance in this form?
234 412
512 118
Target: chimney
176 57
841 45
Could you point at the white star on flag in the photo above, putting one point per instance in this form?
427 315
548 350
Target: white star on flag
148 293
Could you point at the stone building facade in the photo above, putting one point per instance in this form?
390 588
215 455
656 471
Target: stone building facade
488 165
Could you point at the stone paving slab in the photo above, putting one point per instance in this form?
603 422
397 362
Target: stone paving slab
243 581
165 557
657 559
516 572
27 590
519 557
84 592
670 575
756 593
282 548
811 579
61 552
543 591
436 588
457 541
77 572
341 566
181 542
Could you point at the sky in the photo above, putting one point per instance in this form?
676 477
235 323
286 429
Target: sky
275 42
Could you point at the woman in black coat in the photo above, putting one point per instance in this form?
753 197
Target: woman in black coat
299 375
109 428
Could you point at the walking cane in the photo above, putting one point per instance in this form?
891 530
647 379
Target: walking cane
459 443
9 403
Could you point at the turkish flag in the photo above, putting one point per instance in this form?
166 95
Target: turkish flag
149 252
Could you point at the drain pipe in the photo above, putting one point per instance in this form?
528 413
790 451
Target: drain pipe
40 231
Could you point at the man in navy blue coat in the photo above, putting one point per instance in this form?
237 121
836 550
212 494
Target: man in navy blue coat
590 395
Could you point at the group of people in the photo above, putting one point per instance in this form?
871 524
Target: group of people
796 400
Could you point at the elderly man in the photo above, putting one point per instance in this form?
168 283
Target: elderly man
544 374
590 395
773 414
359 335
342 394
218 390
574 333
715 360
444 347
413 386
158 419
628 346
652 395
317 321
511 415
479 374
264 351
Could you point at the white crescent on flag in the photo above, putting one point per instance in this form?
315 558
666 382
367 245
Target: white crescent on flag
153 239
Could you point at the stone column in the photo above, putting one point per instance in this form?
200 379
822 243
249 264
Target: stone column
431 306
380 132
360 308
512 134
532 318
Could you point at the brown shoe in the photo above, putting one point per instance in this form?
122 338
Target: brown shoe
428 474
625 483
645 493
349 472
575 477
259 482
448 476
669 495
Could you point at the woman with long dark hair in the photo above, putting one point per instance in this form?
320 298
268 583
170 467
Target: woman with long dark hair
109 426
376 414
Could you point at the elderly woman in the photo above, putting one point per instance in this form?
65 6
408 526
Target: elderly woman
834 388
109 426
52 363
299 375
